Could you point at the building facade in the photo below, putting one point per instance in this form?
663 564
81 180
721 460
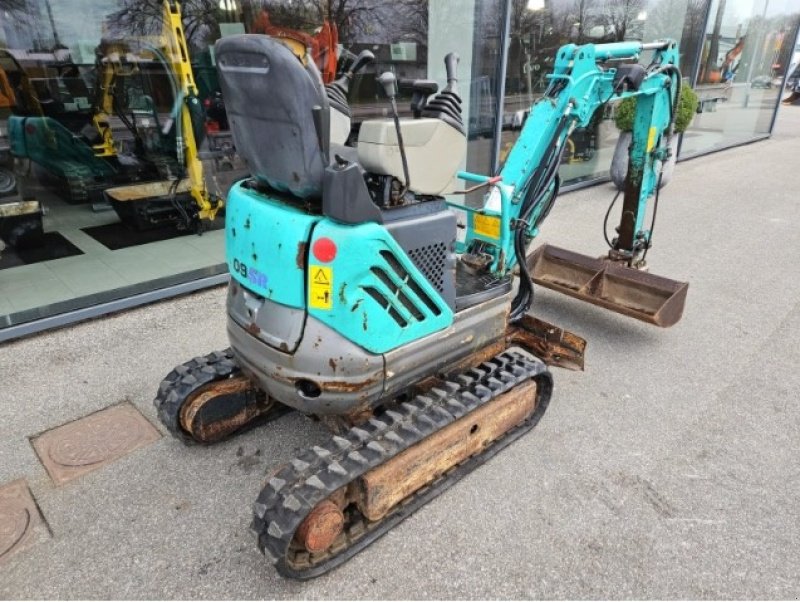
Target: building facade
90 94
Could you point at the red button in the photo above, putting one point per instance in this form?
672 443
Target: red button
324 249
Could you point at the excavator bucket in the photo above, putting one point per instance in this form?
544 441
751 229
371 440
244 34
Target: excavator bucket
635 293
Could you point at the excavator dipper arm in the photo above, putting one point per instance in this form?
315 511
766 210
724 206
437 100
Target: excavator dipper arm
583 80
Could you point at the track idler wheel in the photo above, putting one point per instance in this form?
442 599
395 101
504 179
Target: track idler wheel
320 528
220 409
208 399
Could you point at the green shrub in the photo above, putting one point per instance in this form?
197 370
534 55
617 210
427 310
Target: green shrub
687 106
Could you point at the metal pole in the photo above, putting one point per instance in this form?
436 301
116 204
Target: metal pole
756 53
501 87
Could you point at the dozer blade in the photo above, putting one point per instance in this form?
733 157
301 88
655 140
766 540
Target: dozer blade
635 293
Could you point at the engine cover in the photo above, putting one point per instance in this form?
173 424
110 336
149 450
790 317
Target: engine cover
435 151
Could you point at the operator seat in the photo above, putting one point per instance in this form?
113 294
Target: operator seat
270 95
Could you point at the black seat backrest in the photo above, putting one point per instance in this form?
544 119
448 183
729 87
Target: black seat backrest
270 96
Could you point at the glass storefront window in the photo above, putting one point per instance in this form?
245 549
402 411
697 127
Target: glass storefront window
746 51
540 27
91 127
90 100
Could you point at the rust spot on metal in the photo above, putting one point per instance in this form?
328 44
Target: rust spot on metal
332 364
82 446
20 520
337 386
220 408
553 345
253 329
383 487
321 527
300 258
481 355
284 347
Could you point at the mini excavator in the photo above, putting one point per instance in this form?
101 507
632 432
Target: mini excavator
352 298
161 182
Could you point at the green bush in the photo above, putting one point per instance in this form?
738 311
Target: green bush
687 106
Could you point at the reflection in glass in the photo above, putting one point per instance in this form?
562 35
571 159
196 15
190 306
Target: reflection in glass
746 51
86 75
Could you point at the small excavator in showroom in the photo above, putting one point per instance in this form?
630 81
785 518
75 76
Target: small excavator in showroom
353 298
161 181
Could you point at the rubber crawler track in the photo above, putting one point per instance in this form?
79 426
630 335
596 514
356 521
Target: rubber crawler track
296 488
184 380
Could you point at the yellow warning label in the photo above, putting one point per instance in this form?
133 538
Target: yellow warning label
651 138
320 287
486 225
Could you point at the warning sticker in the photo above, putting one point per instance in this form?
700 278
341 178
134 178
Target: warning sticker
651 138
486 225
320 287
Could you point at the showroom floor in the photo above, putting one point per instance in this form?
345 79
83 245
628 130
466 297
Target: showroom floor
97 267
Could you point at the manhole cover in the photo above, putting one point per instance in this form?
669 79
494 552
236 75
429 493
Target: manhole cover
89 443
19 519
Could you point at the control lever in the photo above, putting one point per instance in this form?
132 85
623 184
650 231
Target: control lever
364 58
389 83
421 89
451 60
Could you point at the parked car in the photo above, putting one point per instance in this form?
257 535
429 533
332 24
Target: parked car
762 81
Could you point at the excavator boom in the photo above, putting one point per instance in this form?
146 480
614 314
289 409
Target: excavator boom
525 190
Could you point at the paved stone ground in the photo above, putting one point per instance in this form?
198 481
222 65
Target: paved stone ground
670 468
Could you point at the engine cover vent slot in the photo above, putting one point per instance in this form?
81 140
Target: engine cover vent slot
406 278
431 260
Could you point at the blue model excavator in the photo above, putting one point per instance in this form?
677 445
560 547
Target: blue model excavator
352 298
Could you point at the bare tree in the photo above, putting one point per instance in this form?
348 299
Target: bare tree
573 19
619 15
146 18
